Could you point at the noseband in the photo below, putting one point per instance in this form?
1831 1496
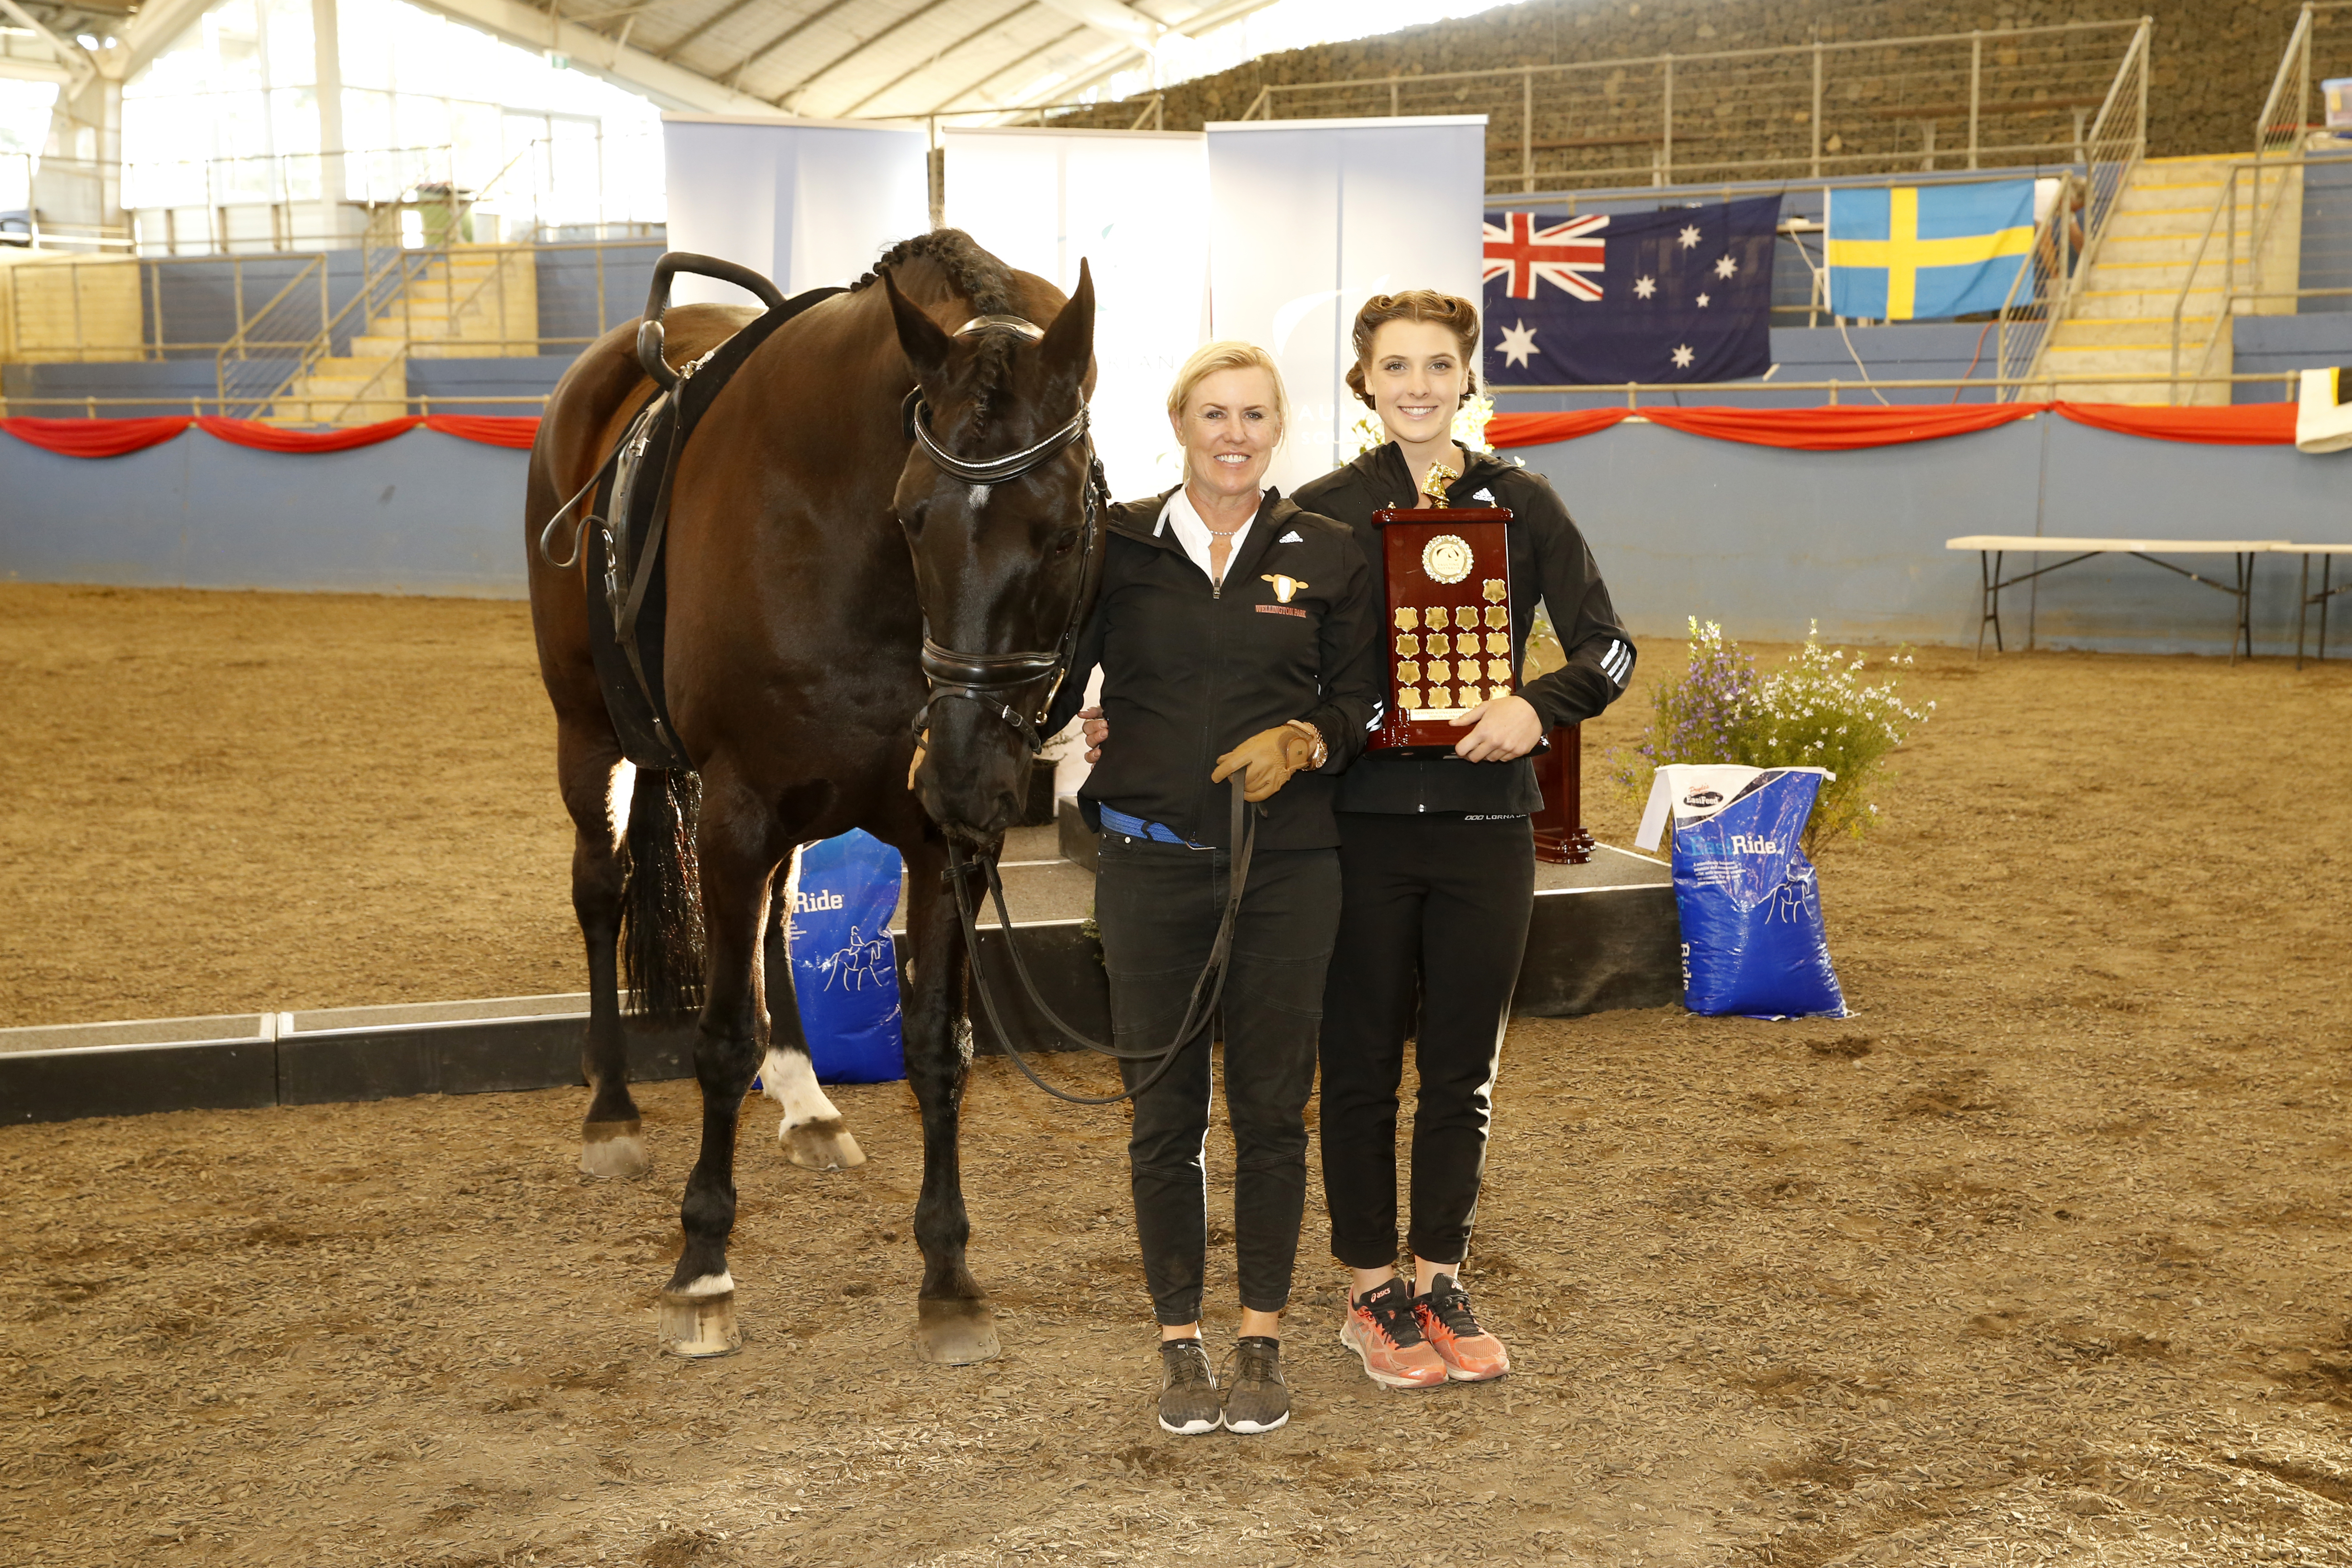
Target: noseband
993 679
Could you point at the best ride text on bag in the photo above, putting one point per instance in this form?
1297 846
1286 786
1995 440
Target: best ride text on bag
1750 905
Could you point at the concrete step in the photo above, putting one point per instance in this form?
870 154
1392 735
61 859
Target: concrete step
2180 247
2142 304
2186 221
2109 359
2125 331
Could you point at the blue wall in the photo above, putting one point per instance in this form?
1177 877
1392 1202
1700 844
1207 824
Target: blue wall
1927 351
568 283
2327 236
1759 539
195 301
2287 342
448 382
174 384
422 513
1762 539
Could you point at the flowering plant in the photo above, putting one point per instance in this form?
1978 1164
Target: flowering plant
1814 712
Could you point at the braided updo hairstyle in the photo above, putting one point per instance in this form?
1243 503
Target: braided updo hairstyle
1450 311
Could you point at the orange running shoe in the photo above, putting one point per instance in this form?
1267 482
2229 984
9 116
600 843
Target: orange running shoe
1471 1354
1382 1331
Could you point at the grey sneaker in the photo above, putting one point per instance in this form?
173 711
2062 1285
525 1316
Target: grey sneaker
1258 1401
1188 1389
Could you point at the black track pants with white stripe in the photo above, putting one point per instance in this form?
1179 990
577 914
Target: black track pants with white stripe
1432 923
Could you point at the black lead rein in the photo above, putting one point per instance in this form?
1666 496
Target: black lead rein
991 680
1207 991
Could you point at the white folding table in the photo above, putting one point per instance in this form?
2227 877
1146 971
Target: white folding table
2327 554
1992 547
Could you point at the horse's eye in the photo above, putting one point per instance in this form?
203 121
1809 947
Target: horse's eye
1065 542
911 521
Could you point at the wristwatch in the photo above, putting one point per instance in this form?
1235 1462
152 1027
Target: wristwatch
1321 753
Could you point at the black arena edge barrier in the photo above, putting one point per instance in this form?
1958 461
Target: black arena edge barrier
1611 939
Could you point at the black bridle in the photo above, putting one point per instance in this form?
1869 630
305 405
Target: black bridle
993 681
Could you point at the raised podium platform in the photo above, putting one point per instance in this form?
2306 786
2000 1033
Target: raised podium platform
1604 936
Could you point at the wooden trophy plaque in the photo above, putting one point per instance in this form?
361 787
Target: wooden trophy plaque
1448 632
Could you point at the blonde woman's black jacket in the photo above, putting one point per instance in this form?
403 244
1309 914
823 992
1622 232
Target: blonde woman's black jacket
1190 669
1549 561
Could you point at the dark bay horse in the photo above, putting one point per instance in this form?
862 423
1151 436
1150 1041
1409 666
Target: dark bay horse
812 550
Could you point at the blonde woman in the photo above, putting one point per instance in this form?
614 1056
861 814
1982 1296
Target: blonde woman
1233 634
1437 865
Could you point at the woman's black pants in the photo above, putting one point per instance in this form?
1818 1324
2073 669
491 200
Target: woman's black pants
1158 905
1433 920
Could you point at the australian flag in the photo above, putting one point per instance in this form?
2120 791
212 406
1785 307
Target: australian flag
1684 294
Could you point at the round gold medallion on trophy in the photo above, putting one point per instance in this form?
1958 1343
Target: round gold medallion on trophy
1446 558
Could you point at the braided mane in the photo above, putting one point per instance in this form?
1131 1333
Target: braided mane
980 277
969 270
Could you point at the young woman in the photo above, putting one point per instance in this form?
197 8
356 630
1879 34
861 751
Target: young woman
1233 633
1437 864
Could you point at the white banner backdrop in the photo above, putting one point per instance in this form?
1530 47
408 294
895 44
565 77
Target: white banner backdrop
1135 206
1309 217
807 202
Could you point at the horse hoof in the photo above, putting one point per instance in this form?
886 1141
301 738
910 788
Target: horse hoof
610 1150
955 1333
821 1145
697 1325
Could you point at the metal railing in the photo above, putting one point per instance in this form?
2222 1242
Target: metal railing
1835 394
2274 173
95 407
1837 389
2112 151
1850 105
303 201
256 380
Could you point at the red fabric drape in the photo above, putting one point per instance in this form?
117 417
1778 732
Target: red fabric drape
95 437
1840 430
489 429
1539 429
2240 425
271 438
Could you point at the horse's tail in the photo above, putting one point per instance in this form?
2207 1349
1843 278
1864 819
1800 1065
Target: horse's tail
661 896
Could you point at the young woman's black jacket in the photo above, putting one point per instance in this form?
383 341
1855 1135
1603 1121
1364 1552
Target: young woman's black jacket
1193 670
1549 561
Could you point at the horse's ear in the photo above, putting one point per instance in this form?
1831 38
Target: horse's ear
927 345
1069 346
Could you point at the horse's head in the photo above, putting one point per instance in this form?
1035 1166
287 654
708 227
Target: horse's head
1002 506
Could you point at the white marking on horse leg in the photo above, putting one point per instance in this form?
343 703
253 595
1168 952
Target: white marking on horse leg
621 790
812 1131
710 1285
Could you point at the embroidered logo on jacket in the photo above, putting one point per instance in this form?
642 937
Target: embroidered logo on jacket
1284 587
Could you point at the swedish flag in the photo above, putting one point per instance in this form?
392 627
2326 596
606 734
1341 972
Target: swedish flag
1917 252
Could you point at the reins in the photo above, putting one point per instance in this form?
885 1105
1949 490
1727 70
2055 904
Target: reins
1207 990
991 680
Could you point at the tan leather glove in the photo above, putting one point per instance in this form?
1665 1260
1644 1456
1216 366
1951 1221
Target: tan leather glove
1271 756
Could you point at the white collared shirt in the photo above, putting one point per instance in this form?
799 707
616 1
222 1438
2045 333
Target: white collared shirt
1193 534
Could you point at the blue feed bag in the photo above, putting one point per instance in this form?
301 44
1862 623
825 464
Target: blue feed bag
1753 944
845 968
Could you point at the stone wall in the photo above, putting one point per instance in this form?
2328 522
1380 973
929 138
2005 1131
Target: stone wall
2213 60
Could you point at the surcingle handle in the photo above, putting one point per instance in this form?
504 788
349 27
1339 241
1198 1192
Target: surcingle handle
649 330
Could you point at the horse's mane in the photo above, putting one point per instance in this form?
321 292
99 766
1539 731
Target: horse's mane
980 277
969 270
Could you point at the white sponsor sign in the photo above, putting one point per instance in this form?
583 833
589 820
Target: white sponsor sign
808 203
1309 217
1135 206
